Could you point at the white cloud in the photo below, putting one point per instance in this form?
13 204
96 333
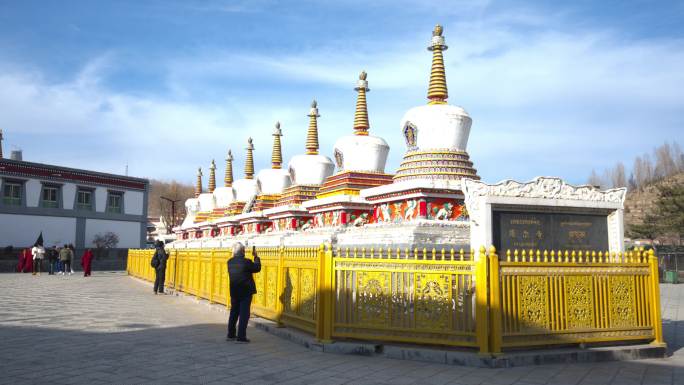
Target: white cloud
555 101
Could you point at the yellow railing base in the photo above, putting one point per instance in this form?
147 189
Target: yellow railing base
500 318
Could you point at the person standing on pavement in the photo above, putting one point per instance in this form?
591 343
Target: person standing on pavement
242 288
26 257
86 261
65 258
38 254
159 263
72 259
52 256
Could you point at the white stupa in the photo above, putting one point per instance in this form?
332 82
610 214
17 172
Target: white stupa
207 201
436 134
274 180
225 194
361 152
246 188
310 168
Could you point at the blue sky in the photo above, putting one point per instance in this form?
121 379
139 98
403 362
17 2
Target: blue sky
553 89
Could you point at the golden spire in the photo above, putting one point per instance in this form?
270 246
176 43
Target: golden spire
437 92
277 155
198 186
228 179
361 125
0 143
312 134
212 176
249 164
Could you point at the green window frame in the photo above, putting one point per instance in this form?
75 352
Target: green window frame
114 203
11 193
49 197
84 199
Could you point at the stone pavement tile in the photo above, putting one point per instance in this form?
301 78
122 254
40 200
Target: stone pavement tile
129 335
331 381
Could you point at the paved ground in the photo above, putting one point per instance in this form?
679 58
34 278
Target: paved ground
111 329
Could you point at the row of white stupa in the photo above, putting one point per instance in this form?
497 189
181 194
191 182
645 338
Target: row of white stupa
436 129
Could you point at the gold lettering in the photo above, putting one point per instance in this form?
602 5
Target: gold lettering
576 224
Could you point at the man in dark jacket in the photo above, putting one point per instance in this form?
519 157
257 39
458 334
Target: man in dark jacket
242 288
160 270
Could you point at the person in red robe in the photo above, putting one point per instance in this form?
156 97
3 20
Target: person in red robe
27 258
86 262
20 264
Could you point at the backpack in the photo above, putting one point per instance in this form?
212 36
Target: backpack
155 261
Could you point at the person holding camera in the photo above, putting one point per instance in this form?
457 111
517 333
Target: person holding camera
242 288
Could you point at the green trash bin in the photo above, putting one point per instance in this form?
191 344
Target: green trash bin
671 276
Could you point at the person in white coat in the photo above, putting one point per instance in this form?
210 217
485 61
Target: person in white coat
38 252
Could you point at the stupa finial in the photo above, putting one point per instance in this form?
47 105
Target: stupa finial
228 178
212 176
1 143
312 133
198 186
361 125
277 154
249 163
437 92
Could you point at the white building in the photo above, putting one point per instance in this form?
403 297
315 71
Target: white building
69 205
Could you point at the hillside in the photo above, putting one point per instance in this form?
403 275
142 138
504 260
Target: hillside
642 201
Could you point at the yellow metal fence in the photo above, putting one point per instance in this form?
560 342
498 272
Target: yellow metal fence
441 297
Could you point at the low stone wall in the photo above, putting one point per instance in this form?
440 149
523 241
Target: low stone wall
105 260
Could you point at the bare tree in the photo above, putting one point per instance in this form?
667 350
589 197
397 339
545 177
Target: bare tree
669 160
666 164
107 240
595 179
640 172
173 191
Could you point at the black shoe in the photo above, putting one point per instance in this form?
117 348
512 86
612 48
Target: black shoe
229 338
155 293
242 340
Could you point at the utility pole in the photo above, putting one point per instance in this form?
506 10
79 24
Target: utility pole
173 209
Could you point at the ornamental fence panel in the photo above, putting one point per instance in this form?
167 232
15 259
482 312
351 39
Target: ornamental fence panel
420 297
437 296
265 302
543 298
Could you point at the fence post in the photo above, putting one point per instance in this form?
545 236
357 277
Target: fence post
655 299
324 313
280 282
494 302
211 276
481 320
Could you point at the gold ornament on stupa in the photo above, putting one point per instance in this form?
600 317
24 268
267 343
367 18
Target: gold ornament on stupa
228 178
361 125
212 176
437 91
249 163
198 186
277 154
312 133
